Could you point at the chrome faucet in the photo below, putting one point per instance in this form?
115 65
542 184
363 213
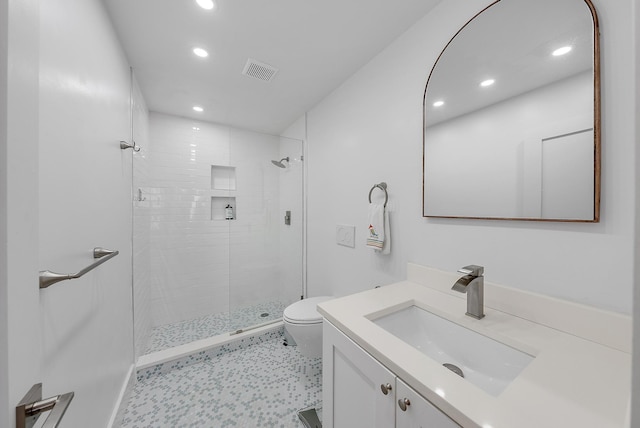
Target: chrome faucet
472 283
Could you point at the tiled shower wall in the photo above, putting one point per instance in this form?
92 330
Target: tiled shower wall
199 265
291 185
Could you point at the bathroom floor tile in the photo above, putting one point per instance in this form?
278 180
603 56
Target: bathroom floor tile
263 385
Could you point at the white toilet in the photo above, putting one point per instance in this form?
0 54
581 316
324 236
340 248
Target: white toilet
303 322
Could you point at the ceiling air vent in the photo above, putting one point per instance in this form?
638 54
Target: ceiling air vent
259 70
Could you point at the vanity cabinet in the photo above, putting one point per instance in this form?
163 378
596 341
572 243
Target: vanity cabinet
359 392
419 413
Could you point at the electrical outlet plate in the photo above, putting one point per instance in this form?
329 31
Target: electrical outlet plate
346 235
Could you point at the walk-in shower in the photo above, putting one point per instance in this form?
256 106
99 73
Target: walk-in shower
213 252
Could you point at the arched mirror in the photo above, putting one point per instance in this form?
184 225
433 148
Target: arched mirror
512 116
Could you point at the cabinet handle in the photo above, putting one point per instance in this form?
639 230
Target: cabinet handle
386 387
404 403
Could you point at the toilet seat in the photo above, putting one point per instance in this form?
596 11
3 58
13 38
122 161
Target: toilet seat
304 311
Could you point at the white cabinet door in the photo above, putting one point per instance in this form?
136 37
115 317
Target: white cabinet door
353 384
418 413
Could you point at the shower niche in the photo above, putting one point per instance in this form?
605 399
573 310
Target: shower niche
223 186
223 177
223 208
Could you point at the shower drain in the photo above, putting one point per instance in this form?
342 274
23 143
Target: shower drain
264 314
454 369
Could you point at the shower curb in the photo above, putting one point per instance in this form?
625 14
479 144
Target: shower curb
208 354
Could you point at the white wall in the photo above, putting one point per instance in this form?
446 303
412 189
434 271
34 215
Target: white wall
369 130
635 385
84 202
20 346
4 249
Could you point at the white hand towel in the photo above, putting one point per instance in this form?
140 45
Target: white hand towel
375 236
386 247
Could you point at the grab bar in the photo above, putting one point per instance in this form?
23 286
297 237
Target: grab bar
32 405
48 278
382 186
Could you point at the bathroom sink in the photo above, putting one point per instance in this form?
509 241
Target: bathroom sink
485 362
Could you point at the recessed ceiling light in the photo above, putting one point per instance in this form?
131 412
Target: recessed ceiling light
205 4
487 82
200 52
438 103
561 51
198 109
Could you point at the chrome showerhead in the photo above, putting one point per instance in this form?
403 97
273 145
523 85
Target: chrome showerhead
280 163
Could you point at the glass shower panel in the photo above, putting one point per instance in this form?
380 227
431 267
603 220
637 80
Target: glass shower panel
212 254
141 245
187 274
265 249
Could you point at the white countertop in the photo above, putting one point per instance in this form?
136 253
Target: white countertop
571 382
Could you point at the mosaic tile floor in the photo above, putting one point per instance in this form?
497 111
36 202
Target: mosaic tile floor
262 384
170 335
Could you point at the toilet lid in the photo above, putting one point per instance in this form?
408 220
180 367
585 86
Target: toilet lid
304 311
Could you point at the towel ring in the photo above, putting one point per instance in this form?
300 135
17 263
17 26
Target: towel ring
382 186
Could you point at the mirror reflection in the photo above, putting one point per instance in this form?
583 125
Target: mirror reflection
511 116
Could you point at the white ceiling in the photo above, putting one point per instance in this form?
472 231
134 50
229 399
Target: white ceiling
316 45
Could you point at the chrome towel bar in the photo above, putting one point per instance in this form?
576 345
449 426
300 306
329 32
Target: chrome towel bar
48 278
382 186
